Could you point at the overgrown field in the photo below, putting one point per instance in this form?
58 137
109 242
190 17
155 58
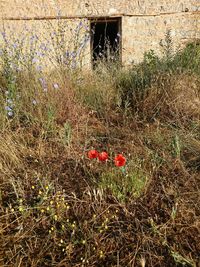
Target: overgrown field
59 206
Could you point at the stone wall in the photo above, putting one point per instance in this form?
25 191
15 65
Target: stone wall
23 8
144 33
144 22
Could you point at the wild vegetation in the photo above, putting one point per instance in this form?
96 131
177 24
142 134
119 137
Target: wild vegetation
67 197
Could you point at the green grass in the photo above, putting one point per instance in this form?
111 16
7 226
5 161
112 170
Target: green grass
124 183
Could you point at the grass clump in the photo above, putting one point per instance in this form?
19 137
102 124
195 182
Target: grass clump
124 183
152 81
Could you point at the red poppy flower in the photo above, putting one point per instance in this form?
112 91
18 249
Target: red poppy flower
103 156
93 154
120 160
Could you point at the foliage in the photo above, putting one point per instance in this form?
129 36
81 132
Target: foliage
140 81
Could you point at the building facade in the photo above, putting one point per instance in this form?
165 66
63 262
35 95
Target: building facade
131 27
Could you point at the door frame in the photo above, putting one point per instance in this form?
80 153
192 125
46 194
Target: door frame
104 20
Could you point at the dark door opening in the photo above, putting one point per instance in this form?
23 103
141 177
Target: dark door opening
105 42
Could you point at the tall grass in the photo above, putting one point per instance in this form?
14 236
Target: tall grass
60 208
155 77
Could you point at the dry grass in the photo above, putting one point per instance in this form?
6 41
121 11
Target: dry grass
58 208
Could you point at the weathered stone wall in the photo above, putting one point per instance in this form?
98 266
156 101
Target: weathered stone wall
23 8
144 33
144 22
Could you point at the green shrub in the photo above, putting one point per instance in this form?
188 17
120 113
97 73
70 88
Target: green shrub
124 185
135 84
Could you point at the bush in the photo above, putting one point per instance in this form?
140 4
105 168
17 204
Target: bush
156 77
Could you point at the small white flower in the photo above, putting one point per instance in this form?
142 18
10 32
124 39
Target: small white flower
10 114
56 86
9 101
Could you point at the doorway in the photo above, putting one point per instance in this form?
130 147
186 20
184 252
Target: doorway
105 40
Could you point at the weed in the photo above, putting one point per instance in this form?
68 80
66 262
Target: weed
123 184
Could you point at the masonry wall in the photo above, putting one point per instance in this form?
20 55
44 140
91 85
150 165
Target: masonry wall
25 8
144 22
143 33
